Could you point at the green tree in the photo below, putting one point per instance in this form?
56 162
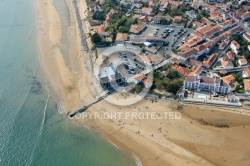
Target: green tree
173 74
96 38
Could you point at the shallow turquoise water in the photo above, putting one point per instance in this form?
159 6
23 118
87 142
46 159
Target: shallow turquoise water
32 132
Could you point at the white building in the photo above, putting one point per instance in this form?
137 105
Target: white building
246 72
109 77
191 14
242 62
235 46
226 63
199 83
138 78
246 36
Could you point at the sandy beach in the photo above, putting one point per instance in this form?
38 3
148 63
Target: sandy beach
192 140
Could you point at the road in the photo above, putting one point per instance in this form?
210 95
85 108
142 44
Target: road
237 22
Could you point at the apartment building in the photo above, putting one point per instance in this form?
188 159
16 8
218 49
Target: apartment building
205 83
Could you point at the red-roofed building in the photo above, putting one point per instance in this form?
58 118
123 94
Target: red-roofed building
229 79
100 30
207 63
222 45
113 11
201 49
197 24
230 55
144 18
195 70
235 46
144 59
181 70
121 37
189 53
178 19
151 4
247 85
147 11
242 61
138 78
194 62
226 63
137 28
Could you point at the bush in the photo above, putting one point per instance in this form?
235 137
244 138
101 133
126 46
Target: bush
96 39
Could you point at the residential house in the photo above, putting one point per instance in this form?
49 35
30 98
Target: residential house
157 19
222 45
106 24
100 30
226 63
138 78
246 36
201 49
194 41
192 61
178 19
144 59
216 17
197 24
242 61
196 4
230 55
214 84
229 79
147 83
147 11
246 72
175 61
95 8
191 14
247 85
144 18
207 63
113 11
121 37
151 4
138 5
165 4
235 46
207 21
189 53
196 70
236 30
227 24
137 28
181 70
245 15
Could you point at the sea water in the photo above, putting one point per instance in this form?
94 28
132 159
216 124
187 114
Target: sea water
32 132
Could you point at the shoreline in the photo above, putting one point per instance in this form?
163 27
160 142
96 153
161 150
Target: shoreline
76 89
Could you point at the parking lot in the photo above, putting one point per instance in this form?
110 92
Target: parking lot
126 64
173 39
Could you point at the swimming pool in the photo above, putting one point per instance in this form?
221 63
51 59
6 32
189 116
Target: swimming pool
202 96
